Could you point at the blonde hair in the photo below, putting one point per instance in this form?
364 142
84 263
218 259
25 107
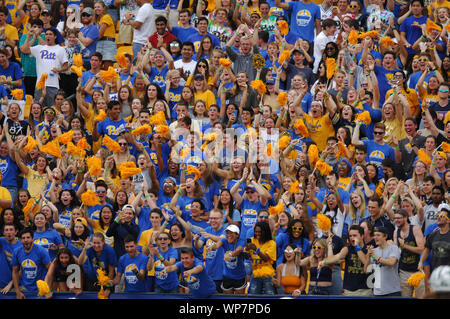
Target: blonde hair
385 191
362 208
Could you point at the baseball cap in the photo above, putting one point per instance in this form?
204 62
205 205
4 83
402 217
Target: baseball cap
233 228
88 10
199 76
45 11
381 229
270 81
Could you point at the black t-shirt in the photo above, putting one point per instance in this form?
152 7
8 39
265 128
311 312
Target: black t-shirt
408 155
440 111
439 244
17 128
354 276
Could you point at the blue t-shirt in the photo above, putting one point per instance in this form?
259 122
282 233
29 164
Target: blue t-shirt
159 77
107 258
214 258
132 283
170 280
233 268
6 255
12 73
75 247
92 33
303 18
10 171
413 33
375 115
32 264
383 76
376 153
111 128
47 237
183 33
282 240
250 213
160 4
196 38
85 78
200 285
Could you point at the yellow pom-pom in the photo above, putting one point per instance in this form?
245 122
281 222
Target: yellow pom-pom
313 154
77 60
330 64
66 137
258 86
225 62
128 169
275 210
415 279
353 37
387 41
52 148
17 94
43 288
342 150
284 27
282 98
301 127
89 198
101 116
423 157
83 144
41 83
284 56
445 146
158 119
192 170
109 75
110 144
121 60
94 165
142 130
102 279
295 187
31 144
163 130
323 222
363 117
323 167
75 151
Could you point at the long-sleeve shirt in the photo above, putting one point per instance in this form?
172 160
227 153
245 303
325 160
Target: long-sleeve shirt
243 63
119 232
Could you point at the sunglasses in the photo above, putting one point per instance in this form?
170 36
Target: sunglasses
202 66
175 44
264 216
249 192
443 216
85 15
49 112
289 251
101 192
378 133
443 90
317 247
163 238
122 144
353 6
330 48
423 60
297 228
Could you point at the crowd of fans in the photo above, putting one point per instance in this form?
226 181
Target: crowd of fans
225 147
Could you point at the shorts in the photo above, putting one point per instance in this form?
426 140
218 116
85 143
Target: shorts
236 284
108 49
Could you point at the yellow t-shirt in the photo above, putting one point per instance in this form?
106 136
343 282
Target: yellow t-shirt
35 182
110 31
206 96
412 97
191 77
264 268
394 128
319 129
5 195
98 229
437 5
144 240
343 182
11 33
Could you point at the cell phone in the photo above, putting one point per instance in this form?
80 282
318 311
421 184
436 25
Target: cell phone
154 245
249 240
235 113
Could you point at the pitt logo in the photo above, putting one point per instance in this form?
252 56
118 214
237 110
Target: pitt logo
48 55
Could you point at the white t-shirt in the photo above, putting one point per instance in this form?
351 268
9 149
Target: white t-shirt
430 214
338 222
319 45
145 15
47 58
188 68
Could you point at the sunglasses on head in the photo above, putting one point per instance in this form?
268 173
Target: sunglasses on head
317 247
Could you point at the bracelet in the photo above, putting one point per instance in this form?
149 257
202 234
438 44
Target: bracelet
16 151
146 196
12 83
397 147
420 263
433 164
290 146
393 197
80 171
325 262
7 134
107 168
116 221
178 191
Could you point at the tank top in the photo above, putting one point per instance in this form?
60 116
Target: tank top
408 260
355 278
325 274
291 282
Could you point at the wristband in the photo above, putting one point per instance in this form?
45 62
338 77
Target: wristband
116 221
7 134
80 171
358 248
397 147
12 83
325 262
375 257
16 151
178 191
290 146
146 196
420 263
393 197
